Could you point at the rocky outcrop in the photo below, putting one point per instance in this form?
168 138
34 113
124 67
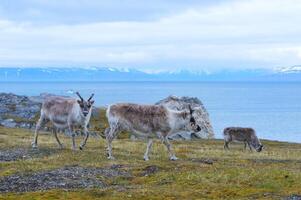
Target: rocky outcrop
201 116
17 110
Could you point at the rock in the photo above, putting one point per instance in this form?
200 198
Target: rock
10 123
207 161
201 116
17 110
19 106
152 169
294 197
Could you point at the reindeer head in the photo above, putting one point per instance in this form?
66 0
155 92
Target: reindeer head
256 144
194 126
85 106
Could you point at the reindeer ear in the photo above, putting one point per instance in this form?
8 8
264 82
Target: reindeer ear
79 101
91 102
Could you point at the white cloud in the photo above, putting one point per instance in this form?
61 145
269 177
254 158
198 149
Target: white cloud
259 33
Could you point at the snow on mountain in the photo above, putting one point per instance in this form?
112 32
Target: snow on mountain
127 74
291 69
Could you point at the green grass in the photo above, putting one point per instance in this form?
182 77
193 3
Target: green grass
234 174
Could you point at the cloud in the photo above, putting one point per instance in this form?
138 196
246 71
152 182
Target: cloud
253 33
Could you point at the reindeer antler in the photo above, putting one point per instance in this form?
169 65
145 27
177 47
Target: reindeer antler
91 97
81 98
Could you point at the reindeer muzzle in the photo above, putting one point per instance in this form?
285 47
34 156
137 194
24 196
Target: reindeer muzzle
85 113
259 149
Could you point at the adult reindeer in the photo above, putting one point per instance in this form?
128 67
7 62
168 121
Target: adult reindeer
65 113
148 121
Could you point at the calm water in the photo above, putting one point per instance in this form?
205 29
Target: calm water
273 109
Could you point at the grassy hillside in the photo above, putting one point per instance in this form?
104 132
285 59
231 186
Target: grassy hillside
204 170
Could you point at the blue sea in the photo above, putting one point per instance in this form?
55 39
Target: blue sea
273 109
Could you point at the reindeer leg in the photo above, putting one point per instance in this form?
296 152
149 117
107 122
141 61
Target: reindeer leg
34 143
85 139
106 133
57 139
226 145
249 146
166 142
71 131
148 148
111 133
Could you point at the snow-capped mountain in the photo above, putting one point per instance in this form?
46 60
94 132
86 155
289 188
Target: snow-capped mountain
291 69
127 74
69 74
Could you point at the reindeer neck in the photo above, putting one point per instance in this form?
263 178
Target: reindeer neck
178 120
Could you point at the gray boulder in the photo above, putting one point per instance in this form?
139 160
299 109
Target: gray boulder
17 110
201 116
10 123
17 106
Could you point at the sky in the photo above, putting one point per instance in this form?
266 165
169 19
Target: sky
157 35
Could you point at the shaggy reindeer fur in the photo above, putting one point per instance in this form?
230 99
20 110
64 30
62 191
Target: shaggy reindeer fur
65 113
246 135
147 121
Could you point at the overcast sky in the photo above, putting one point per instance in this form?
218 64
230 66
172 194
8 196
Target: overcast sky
151 35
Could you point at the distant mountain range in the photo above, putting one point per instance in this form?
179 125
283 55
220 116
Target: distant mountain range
113 74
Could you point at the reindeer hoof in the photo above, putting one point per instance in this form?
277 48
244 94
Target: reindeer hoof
81 148
173 158
111 158
146 159
34 145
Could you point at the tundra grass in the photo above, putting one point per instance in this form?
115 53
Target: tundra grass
274 173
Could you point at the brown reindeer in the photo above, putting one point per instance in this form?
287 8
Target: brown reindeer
246 135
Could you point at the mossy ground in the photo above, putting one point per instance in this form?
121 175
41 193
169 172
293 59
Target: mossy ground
235 174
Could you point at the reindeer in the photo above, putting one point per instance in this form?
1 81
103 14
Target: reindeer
65 112
148 121
246 135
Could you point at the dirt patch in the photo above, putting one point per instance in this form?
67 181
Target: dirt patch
274 161
152 169
208 161
67 178
23 153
